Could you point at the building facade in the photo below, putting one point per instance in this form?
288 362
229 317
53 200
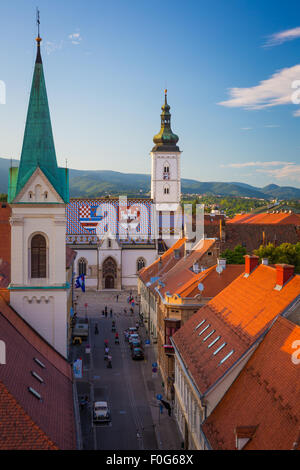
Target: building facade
38 194
115 237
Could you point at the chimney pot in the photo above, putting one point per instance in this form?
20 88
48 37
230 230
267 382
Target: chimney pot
265 261
284 272
222 262
251 262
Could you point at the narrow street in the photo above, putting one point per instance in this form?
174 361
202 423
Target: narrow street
123 387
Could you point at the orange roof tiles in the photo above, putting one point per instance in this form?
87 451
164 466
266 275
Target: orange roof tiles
187 262
265 397
212 281
266 218
165 262
239 314
17 430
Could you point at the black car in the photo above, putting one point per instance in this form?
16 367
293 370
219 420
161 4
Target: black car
136 343
137 354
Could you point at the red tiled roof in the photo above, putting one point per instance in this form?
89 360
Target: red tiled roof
266 218
239 314
53 415
212 281
165 262
17 430
181 272
265 396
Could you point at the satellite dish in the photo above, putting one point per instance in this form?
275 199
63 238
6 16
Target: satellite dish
201 287
219 269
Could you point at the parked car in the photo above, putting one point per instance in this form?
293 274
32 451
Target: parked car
101 412
133 337
136 343
137 354
81 330
132 329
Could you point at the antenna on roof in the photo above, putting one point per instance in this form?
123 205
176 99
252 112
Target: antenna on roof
200 287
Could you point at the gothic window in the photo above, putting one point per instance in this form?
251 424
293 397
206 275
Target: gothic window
166 173
166 190
82 264
140 264
38 256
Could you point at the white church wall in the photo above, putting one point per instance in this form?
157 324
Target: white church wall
46 311
129 264
49 222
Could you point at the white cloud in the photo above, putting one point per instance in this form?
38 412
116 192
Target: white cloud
75 38
271 126
274 91
257 164
282 36
246 128
52 46
289 171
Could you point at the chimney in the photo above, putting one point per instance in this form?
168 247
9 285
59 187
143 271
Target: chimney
251 262
222 263
284 272
265 261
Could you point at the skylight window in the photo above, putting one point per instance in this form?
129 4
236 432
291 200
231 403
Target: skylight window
201 323
37 376
214 341
35 393
39 362
209 334
226 357
204 329
219 349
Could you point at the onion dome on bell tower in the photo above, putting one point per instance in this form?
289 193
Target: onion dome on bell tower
165 140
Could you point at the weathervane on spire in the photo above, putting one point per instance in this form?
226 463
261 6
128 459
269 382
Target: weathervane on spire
38 39
38 20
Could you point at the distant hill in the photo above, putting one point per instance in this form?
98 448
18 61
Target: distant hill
84 183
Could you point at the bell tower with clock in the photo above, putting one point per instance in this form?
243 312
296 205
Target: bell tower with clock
165 177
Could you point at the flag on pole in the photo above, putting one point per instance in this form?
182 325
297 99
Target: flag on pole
80 282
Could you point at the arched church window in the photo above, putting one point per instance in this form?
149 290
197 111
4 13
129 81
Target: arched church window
38 256
141 263
82 265
166 190
166 174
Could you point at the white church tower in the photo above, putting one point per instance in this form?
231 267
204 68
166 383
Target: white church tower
165 178
38 193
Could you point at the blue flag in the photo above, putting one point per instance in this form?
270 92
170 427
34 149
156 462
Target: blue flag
80 282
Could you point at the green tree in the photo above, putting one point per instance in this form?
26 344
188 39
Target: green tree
235 256
284 253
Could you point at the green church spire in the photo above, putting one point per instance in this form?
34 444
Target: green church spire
165 140
38 149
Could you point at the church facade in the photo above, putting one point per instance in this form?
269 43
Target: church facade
38 194
115 237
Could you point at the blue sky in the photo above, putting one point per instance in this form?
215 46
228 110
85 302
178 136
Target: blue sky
228 66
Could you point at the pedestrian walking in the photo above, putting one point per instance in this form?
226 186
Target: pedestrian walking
110 312
117 298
